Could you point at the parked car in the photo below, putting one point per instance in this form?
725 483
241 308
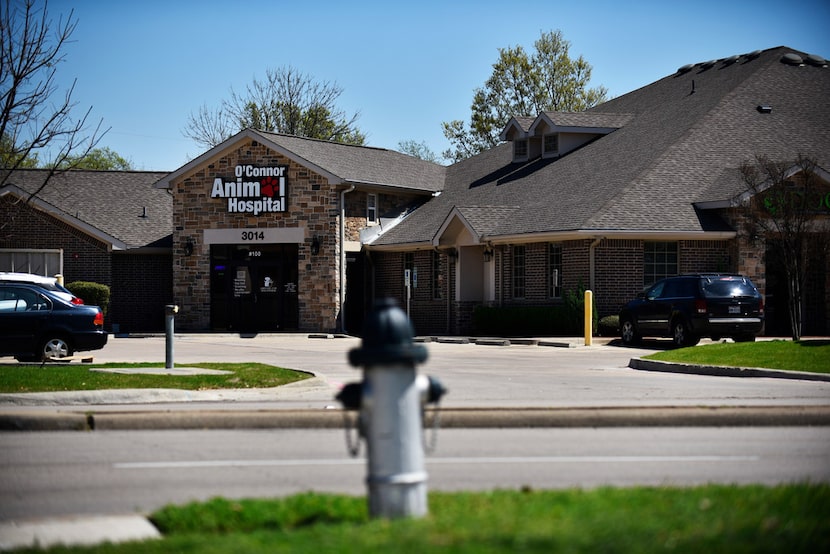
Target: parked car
689 307
37 324
49 283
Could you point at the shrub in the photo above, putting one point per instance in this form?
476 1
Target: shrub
94 294
575 310
609 326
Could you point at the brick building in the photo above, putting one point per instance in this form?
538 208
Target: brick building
268 232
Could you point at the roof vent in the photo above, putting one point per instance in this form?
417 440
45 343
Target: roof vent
764 108
707 65
730 60
792 59
817 61
686 68
752 55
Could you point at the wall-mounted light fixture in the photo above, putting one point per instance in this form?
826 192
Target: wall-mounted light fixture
188 246
488 254
315 245
452 254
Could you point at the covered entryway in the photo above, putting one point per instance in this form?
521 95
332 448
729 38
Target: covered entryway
254 287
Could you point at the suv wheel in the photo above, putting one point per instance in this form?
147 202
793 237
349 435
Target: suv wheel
628 332
681 336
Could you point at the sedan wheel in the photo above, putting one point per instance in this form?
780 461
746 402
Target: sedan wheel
56 348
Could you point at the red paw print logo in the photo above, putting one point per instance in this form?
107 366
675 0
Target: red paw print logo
269 187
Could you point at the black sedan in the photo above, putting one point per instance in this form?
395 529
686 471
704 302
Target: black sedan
37 324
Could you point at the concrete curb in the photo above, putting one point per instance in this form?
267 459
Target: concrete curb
454 418
75 531
724 371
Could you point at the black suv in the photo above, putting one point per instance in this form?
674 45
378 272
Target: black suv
689 307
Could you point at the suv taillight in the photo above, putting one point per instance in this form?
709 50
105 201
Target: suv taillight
700 306
99 319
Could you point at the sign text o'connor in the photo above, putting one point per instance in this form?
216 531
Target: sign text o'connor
254 190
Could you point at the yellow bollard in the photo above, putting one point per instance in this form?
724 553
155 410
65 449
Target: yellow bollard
589 316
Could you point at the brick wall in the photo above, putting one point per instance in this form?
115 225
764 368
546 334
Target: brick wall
143 287
428 315
618 275
139 284
84 258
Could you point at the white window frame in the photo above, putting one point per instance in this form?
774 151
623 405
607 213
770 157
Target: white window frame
550 152
372 208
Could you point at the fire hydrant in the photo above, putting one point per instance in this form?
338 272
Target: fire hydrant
391 400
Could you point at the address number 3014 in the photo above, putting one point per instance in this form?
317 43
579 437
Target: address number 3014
253 235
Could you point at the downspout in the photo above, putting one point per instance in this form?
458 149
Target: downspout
591 263
343 194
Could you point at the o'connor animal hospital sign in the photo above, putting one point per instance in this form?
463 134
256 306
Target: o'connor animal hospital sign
255 190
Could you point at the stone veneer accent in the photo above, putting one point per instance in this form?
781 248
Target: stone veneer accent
312 204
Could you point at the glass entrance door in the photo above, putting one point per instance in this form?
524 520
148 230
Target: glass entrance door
254 288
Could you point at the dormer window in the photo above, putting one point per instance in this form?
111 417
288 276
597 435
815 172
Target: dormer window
520 150
551 145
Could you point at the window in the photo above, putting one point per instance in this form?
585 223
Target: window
437 277
554 271
659 261
372 208
520 149
518 272
409 264
39 262
551 144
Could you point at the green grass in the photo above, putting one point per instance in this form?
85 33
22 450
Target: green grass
15 378
711 519
805 355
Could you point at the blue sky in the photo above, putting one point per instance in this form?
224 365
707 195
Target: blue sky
143 66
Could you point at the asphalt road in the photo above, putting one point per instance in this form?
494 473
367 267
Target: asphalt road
61 474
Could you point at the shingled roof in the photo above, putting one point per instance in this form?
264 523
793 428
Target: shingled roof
121 208
678 141
338 162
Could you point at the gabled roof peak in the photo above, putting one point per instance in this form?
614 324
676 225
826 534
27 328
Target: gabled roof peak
573 122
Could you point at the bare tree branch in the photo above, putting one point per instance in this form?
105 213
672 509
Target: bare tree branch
34 128
286 101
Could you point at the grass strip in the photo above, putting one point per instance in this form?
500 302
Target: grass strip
15 378
804 355
713 518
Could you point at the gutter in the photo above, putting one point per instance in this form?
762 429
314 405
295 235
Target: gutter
592 262
342 276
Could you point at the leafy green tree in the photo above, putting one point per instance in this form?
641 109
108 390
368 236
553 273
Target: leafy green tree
523 84
102 159
11 157
418 150
286 101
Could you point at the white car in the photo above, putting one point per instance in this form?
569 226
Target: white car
48 283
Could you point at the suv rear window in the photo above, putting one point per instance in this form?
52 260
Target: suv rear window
727 287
